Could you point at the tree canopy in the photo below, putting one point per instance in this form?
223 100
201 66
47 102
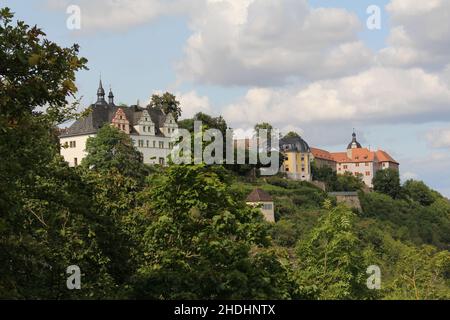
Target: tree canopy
168 103
185 231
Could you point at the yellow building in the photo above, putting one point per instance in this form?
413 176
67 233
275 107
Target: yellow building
297 162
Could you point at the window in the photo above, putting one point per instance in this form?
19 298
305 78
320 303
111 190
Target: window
161 144
145 128
75 161
154 144
303 169
148 144
267 206
170 145
367 164
367 173
141 143
287 169
161 161
73 144
345 166
357 164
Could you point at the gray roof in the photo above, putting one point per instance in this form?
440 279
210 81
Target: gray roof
296 144
102 112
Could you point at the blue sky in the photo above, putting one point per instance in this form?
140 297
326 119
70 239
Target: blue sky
241 59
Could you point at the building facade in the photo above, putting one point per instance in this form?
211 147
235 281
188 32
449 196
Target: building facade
297 158
356 160
263 200
150 129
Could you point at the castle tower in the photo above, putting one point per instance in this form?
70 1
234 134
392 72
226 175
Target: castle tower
110 97
100 93
354 144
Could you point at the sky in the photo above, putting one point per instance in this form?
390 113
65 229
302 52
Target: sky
314 67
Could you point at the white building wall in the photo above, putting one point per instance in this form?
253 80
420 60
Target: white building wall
267 209
151 149
78 152
360 168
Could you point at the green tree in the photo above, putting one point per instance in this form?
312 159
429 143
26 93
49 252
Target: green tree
208 122
325 174
201 243
418 191
349 182
387 181
330 261
291 134
113 149
419 273
168 103
45 222
262 140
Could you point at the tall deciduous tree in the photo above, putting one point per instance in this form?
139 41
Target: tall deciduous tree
418 191
113 149
387 181
45 222
168 103
330 262
203 243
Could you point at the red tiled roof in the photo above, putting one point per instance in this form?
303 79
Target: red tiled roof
322 154
340 157
383 156
259 195
358 155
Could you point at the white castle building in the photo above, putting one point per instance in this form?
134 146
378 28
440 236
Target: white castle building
356 160
149 128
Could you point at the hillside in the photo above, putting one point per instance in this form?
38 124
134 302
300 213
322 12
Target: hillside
402 236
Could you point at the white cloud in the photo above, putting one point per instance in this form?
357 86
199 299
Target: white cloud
261 42
192 103
374 96
439 138
420 34
118 15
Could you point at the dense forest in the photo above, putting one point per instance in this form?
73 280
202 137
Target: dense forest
185 231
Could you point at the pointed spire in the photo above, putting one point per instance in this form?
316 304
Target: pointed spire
100 92
110 96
